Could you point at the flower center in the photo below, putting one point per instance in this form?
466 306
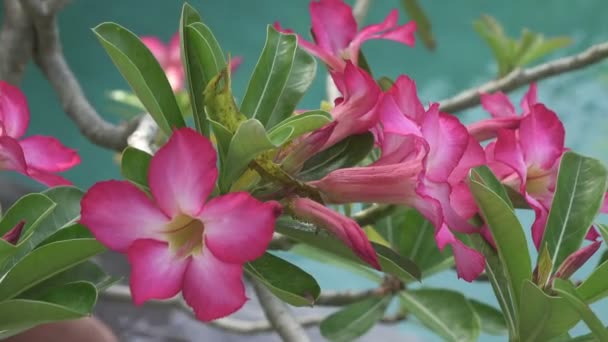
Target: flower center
185 235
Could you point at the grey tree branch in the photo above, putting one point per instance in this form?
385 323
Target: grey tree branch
16 42
143 136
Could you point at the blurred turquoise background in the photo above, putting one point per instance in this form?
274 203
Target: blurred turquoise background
460 61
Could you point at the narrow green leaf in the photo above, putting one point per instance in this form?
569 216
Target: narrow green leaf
501 46
484 175
134 166
222 137
298 125
447 313
595 287
544 267
543 47
354 320
45 262
286 280
492 320
270 79
580 189
143 73
567 291
32 209
507 232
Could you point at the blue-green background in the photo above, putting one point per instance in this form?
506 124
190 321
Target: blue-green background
460 61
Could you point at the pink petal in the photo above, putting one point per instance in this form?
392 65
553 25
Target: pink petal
118 213
13 235
469 262
238 227
394 119
592 234
11 155
462 201
183 173
235 62
406 96
14 111
48 154
173 49
540 220
156 272
487 129
214 289
333 25
498 105
541 135
334 62
576 260
508 151
158 49
47 178
529 99
441 192
344 228
175 76
473 156
398 148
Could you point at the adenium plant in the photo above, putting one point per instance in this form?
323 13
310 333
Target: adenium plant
200 215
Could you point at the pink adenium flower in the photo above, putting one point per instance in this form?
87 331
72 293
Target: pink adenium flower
344 228
176 239
168 56
38 157
337 38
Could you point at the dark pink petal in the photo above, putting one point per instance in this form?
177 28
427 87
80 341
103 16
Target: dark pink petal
344 228
48 154
592 234
118 213
183 173
11 155
156 272
158 49
498 105
540 221
487 129
604 208
333 25
47 178
473 156
334 62
238 227
400 148
406 96
299 151
394 119
441 192
529 99
508 151
14 111
576 260
541 136
213 288
12 236
469 262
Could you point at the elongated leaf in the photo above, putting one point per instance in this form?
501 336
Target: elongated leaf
354 320
7 250
45 262
567 291
595 287
447 313
346 153
70 301
134 166
390 261
492 320
298 125
143 73
31 209
507 232
543 47
286 280
580 189
484 175
193 69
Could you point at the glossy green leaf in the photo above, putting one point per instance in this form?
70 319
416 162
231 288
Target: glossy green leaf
134 166
595 287
286 280
354 320
492 320
447 313
31 209
45 262
143 73
297 125
193 69
542 317
280 79
580 189
70 301
248 142
347 153
567 291
423 23
389 260
507 232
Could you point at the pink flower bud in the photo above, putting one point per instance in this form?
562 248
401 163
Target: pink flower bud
12 236
576 260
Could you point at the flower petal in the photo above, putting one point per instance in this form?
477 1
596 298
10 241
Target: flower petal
529 99
238 227
507 151
405 95
11 155
48 154
118 213
14 111
469 262
156 272
498 105
487 129
473 156
387 29
333 24
158 49
47 178
540 220
173 50
183 173
541 135
212 288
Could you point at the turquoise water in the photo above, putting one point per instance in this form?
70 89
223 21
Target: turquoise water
460 61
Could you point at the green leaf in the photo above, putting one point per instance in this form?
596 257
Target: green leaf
595 287
298 125
32 209
275 88
492 320
544 268
542 317
507 232
70 301
72 232
580 189
248 142
287 281
347 153
484 175
567 291
193 69
143 73
423 23
389 260
447 313
134 166
542 47
45 262
502 46
354 320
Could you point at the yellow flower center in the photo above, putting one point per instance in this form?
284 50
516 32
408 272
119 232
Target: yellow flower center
185 235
